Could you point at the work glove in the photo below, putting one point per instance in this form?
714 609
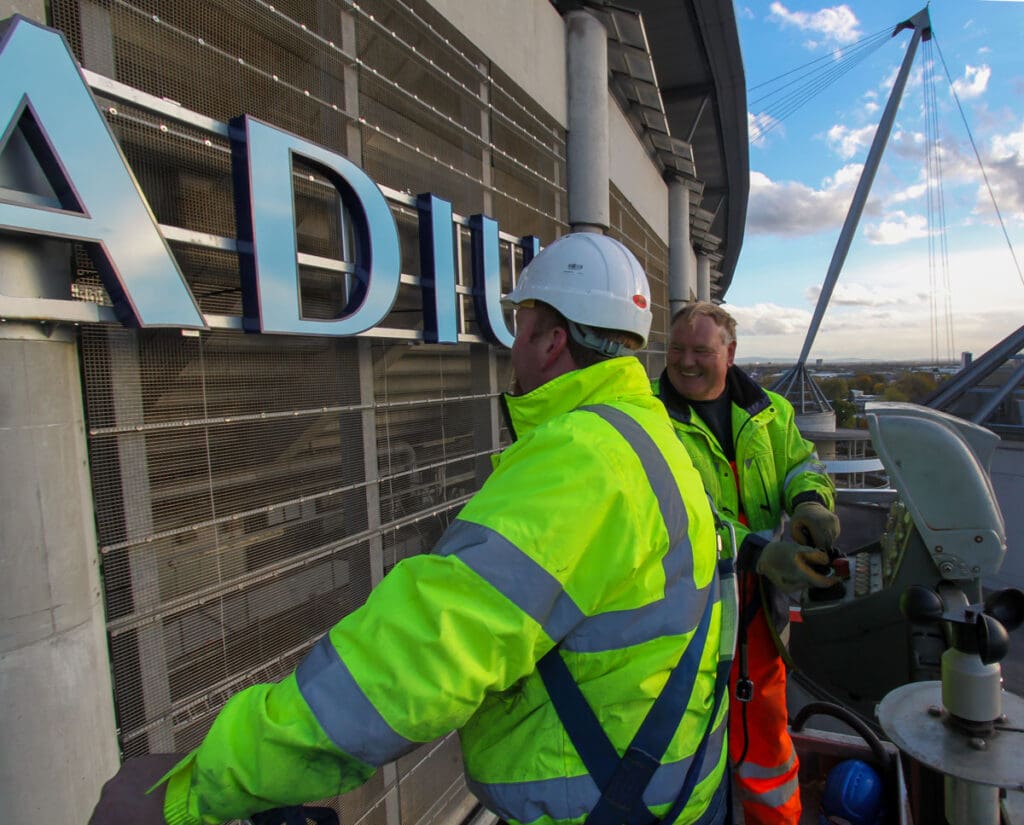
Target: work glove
124 799
788 566
815 525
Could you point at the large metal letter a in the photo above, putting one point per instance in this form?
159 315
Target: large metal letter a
42 91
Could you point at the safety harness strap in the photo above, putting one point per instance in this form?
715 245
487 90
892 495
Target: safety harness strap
622 781
721 680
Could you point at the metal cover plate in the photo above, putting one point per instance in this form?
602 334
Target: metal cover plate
905 717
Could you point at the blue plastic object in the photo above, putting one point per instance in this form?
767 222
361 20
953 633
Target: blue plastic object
853 795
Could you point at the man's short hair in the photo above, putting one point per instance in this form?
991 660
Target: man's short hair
695 309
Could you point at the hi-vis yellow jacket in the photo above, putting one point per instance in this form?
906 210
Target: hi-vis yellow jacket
582 536
776 467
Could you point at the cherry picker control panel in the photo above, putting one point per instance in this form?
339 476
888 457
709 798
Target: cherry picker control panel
943 524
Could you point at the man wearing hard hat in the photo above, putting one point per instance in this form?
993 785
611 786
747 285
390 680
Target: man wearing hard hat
571 612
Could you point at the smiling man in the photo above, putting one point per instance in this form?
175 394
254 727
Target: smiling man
756 467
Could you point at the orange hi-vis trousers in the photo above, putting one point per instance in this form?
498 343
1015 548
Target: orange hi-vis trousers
766 779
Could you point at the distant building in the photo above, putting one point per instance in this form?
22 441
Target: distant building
859 398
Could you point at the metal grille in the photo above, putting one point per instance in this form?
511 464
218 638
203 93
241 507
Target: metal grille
240 514
251 490
528 170
628 227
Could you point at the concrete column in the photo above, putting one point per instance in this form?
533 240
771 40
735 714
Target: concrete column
587 147
703 277
58 740
682 274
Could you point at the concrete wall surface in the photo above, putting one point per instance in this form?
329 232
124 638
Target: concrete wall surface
500 28
57 733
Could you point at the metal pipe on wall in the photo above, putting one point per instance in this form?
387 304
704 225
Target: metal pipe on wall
587 165
703 277
682 275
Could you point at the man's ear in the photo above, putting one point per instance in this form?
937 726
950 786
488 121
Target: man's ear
732 353
556 346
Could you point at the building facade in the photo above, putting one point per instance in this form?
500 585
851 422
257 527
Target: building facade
251 342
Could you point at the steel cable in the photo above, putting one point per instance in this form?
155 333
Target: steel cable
815 76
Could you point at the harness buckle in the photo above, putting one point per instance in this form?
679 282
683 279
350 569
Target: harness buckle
744 690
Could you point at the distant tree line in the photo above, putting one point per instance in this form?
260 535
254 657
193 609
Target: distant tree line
907 386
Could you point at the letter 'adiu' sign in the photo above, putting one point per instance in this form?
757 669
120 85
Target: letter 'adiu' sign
44 98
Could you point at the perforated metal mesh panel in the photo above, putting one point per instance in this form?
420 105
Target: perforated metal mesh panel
251 489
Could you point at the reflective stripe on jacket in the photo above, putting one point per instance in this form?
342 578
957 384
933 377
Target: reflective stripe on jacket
567 541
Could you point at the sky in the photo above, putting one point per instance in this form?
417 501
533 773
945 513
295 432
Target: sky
905 291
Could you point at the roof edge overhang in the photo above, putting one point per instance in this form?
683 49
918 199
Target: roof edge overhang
719 32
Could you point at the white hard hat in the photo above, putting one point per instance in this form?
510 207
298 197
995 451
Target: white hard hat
592 280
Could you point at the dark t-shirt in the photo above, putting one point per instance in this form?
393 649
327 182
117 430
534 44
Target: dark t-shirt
717 414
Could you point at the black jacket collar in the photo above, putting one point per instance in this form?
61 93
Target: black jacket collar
742 390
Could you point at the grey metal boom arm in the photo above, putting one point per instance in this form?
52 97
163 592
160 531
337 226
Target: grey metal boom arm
921 23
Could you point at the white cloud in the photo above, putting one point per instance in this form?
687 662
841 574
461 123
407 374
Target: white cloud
1011 145
760 124
898 227
914 80
769 319
845 177
865 295
1005 171
847 142
885 311
913 192
895 211
837 25
974 82
793 209
908 146
871 107
907 151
